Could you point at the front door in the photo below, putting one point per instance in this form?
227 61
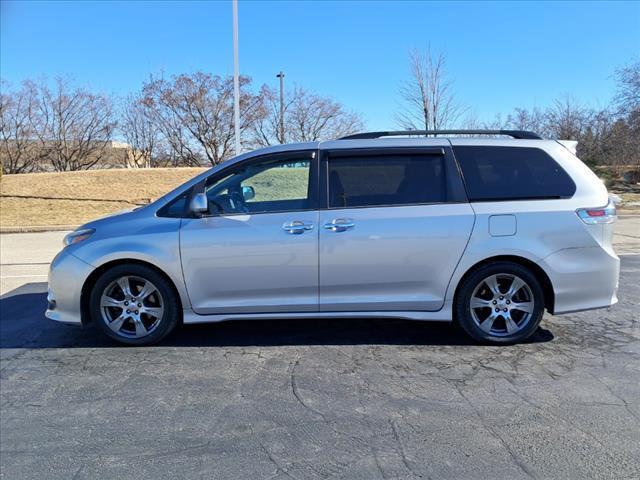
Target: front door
256 250
395 228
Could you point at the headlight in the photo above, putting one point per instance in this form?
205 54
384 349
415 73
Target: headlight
78 236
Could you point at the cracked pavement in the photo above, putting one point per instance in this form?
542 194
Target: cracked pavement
327 399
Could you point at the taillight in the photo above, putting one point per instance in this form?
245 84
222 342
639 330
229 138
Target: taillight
594 216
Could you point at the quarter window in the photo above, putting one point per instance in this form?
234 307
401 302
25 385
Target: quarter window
176 208
385 180
512 173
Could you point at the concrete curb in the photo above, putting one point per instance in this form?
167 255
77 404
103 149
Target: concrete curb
38 228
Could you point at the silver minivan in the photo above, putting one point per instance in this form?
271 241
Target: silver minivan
487 229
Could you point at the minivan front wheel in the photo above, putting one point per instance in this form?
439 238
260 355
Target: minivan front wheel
500 303
134 304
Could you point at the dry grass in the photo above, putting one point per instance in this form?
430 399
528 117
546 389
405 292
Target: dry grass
630 200
72 198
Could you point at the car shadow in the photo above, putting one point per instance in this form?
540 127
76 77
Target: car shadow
23 325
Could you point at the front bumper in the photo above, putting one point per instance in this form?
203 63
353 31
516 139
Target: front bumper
583 278
67 275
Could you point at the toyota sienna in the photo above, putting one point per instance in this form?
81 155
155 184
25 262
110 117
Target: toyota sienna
485 232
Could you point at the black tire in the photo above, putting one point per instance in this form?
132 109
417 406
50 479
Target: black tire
170 303
504 269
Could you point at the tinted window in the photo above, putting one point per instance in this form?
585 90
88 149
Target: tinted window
264 186
364 181
512 173
176 208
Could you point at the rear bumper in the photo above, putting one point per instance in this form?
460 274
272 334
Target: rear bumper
67 275
583 278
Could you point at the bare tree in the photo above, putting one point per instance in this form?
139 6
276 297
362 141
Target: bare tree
627 98
195 114
266 127
176 142
534 120
139 131
73 126
307 118
429 102
18 149
567 119
312 118
626 130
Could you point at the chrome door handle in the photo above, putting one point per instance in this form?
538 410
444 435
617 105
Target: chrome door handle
297 227
339 224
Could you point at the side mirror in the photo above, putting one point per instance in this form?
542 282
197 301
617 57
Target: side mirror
248 193
199 204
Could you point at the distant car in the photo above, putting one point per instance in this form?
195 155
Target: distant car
487 232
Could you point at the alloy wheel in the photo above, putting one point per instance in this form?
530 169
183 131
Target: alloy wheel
131 306
502 305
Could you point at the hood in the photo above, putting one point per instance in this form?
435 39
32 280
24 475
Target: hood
122 214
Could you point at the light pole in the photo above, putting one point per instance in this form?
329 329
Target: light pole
281 77
236 79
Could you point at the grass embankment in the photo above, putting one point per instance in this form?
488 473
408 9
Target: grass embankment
73 198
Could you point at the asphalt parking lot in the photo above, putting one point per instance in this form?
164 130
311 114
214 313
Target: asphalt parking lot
370 399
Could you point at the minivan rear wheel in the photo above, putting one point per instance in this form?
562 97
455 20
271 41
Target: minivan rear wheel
134 305
500 303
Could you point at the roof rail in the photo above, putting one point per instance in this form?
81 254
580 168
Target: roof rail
519 134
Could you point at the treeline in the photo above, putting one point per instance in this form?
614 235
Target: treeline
187 120
606 136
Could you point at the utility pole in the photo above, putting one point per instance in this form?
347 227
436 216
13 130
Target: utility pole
236 79
281 77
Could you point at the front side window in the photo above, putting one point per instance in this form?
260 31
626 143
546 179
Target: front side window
265 186
386 180
512 173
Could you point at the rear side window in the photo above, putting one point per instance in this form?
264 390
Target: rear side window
512 173
382 180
